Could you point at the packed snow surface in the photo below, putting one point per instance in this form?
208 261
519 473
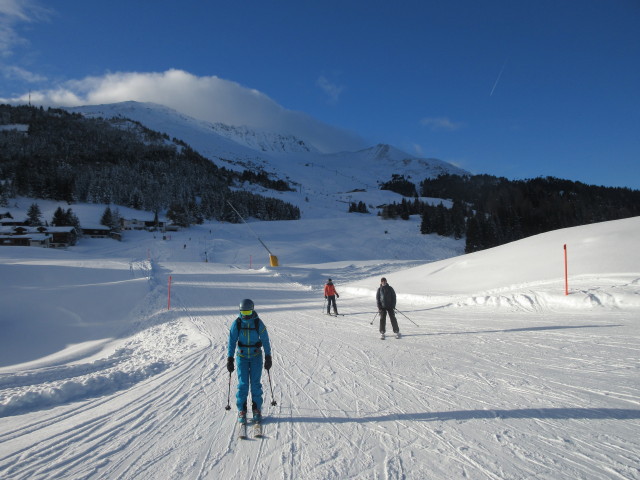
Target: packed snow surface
498 373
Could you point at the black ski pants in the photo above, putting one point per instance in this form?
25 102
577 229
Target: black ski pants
331 300
392 317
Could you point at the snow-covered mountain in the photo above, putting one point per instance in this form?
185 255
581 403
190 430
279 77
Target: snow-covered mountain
281 155
201 135
263 141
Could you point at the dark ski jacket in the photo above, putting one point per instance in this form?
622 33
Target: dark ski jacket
386 297
250 336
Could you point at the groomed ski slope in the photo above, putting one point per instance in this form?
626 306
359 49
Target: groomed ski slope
498 374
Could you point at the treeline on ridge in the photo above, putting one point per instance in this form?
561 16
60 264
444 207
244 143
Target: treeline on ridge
66 157
491 211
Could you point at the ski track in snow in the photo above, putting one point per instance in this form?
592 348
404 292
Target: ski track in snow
511 389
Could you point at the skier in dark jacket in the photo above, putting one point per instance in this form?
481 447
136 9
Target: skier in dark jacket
386 300
247 337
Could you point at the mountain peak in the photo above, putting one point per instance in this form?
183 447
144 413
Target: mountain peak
282 156
383 151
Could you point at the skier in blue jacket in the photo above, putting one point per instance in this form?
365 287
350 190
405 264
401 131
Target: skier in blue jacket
248 336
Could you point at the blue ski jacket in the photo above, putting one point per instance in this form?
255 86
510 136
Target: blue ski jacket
247 337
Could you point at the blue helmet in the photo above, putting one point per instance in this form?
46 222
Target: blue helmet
246 307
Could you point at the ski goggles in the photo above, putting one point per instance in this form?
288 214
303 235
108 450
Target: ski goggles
246 313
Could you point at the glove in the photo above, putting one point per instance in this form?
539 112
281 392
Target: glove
230 366
337 295
267 362
325 297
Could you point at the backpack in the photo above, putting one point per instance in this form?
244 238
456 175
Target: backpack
256 327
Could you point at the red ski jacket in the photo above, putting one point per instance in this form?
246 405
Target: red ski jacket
330 290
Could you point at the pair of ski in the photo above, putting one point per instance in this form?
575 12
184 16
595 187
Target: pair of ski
255 427
382 336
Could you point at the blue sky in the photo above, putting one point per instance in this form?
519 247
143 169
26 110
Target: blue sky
511 88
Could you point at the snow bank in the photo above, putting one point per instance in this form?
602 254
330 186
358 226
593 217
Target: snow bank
147 353
75 327
603 265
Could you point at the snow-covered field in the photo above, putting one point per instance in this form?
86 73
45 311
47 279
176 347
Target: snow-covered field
498 374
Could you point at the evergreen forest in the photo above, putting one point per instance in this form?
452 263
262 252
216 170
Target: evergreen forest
64 156
491 211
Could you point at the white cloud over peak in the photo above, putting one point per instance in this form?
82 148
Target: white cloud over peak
207 98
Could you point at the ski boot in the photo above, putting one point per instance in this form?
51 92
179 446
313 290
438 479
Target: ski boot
257 415
242 417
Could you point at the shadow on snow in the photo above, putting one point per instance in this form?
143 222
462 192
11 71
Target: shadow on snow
458 415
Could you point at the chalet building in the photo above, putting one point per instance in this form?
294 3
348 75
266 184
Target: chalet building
27 240
62 236
24 236
153 226
12 223
134 224
96 231
39 240
14 241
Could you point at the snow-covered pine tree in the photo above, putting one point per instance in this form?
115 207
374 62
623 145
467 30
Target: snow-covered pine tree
34 215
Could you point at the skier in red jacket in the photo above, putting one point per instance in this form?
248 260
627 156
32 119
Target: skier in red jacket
330 295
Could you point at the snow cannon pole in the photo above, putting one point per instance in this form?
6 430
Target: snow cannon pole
566 272
169 295
273 260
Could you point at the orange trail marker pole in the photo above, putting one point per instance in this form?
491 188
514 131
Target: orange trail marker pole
566 272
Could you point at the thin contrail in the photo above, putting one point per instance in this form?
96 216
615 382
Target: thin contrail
498 79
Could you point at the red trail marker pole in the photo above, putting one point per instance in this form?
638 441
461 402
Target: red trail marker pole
566 272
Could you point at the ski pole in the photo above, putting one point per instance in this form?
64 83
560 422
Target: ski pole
374 317
228 407
406 317
273 401
324 304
